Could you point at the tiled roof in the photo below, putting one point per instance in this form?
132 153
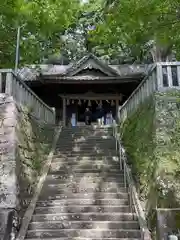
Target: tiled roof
32 72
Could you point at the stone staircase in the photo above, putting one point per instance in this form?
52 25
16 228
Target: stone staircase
84 196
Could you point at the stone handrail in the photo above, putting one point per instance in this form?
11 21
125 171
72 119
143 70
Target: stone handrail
162 76
168 75
134 198
23 95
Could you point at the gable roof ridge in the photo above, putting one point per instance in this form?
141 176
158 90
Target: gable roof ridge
76 65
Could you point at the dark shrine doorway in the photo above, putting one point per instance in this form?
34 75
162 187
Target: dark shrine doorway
78 108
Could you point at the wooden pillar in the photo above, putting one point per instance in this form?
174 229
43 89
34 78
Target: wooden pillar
64 112
117 107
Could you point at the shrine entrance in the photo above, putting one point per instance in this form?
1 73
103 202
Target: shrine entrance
74 105
79 109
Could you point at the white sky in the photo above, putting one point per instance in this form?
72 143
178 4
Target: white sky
84 1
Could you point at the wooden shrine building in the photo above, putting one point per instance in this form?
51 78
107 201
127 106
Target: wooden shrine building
85 83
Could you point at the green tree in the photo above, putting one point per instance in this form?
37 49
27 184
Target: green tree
42 22
137 28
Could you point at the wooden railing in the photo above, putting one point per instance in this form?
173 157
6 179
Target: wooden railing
23 95
161 77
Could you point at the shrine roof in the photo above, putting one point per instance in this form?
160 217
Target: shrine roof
34 72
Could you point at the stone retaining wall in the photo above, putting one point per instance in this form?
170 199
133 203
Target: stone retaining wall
24 144
152 139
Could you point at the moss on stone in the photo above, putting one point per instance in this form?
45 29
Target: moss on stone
138 139
34 143
152 139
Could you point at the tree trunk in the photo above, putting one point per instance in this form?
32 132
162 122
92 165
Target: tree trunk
161 53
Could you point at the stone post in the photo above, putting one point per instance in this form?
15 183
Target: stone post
9 79
64 112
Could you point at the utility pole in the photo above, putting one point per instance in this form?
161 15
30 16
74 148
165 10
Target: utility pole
17 48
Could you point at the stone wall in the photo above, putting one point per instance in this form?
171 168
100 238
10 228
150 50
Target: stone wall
152 140
24 145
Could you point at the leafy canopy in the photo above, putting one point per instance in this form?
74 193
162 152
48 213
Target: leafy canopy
41 21
116 30
135 26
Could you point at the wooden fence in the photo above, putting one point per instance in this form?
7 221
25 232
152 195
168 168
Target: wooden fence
161 77
23 95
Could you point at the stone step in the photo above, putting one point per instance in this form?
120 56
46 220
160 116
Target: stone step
85 233
77 178
92 126
81 140
88 151
83 238
85 175
90 155
52 196
82 164
84 217
69 202
87 130
72 149
85 136
81 209
90 159
69 154
85 186
118 182
86 142
84 225
76 189
74 170
86 165
89 164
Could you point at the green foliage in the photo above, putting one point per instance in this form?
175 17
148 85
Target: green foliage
41 24
152 140
134 27
126 31
139 143
116 30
